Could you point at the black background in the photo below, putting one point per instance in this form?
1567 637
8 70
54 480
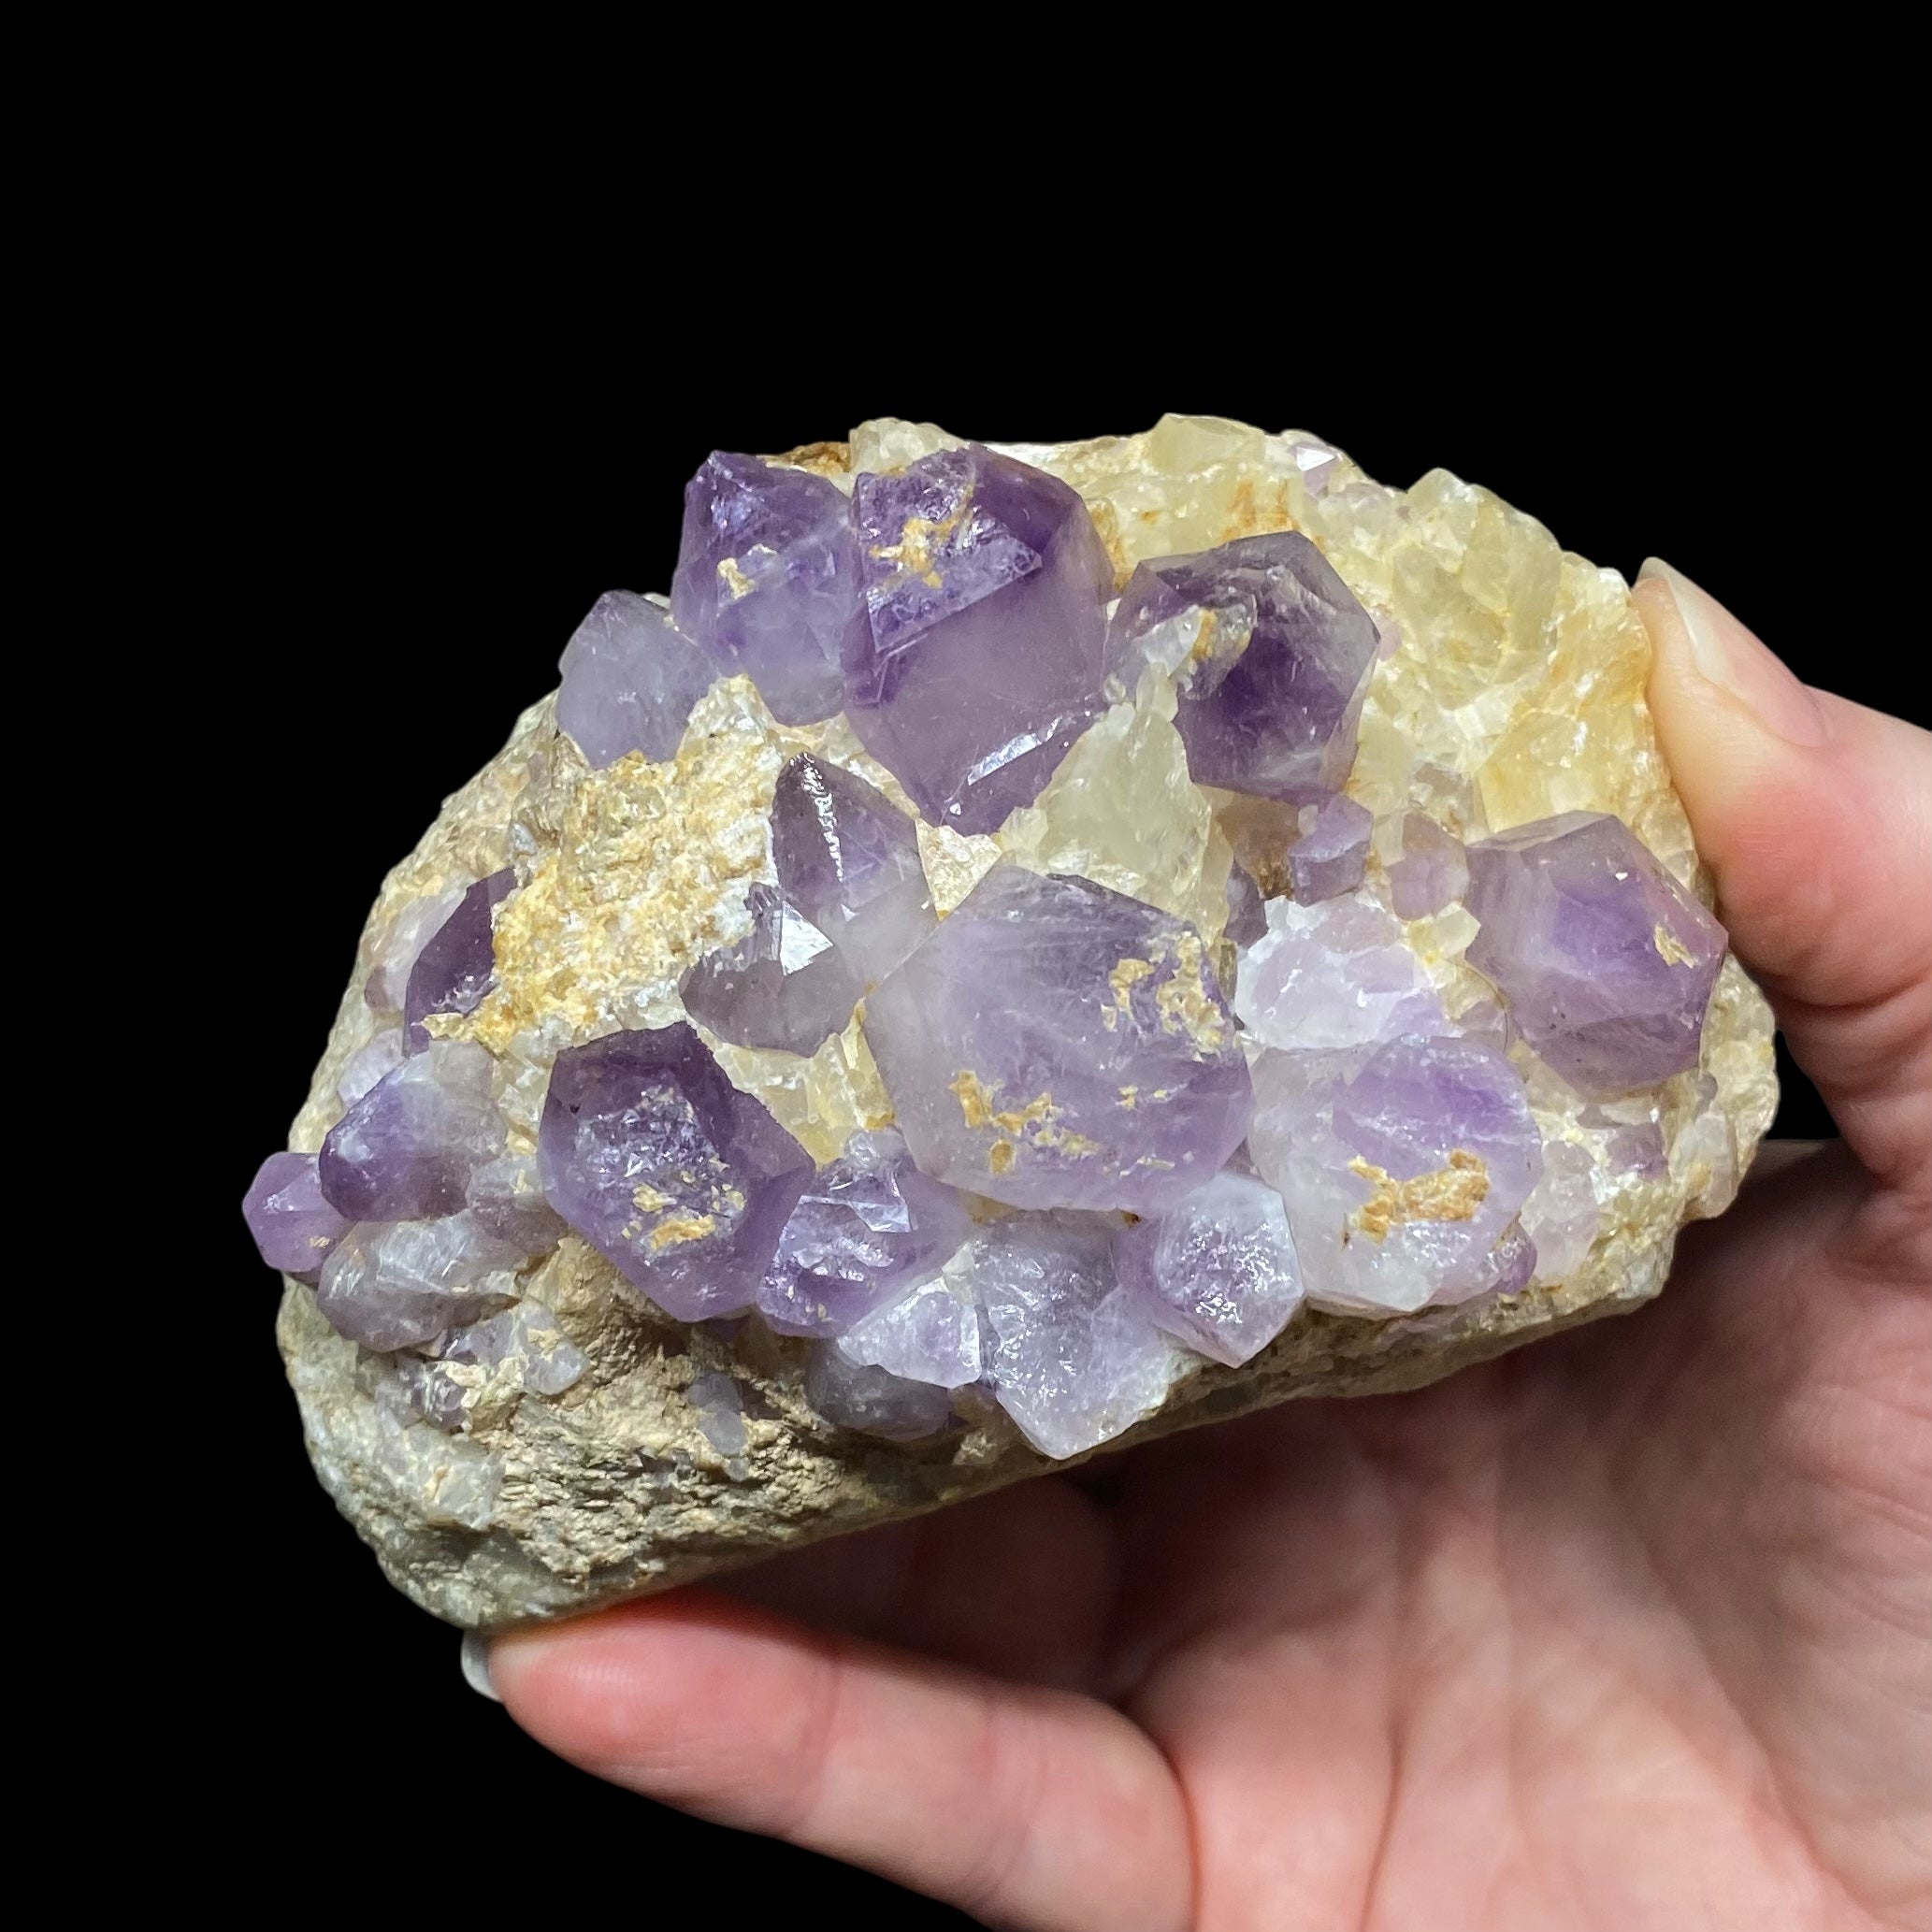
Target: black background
419 512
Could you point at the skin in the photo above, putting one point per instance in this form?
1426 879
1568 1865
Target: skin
1629 1630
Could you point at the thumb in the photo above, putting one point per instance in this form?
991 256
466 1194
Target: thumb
1815 816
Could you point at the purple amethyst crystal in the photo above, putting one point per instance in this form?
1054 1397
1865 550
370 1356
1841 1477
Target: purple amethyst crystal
506 1196
1606 962
1402 1166
392 952
983 655
1331 853
294 1227
665 1168
629 680
1057 1044
406 1150
1432 872
867 1225
398 1284
1333 975
1220 1271
1279 663
849 861
782 985
766 582
451 972
873 1400
1248 911
931 1333
1073 1356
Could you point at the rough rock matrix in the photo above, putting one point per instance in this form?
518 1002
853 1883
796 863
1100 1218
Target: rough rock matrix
1021 950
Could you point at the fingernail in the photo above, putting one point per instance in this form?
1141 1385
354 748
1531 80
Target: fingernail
1731 657
476 1665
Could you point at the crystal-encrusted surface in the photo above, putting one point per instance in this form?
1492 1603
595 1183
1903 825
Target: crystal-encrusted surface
1507 689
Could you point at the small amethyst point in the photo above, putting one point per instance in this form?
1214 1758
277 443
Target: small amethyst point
873 1400
399 1284
983 655
667 1169
1248 911
1272 693
784 984
629 680
766 582
451 972
1331 853
1432 872
294 1227
1606 962
407 1149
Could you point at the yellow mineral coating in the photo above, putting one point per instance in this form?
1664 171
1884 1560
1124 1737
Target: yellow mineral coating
1125 977
675 1229
954 863
650 1200
1001 1158
1669 949
975 1097
1451 1193
1188 1000
734 578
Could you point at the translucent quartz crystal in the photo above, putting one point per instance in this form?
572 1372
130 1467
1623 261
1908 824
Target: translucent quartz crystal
1054 1043
528 1334
661 1163
407 1149
391 955
767 581
1333 975
1432 872
1402 1165
867 1226
294 1227
983 652
1561 1214
784 984
1218 1270
1606 962
506 1196
383 1053
1248 913
630 680
1332 853
1072 1355
393 1285
849 861
1273 681
452 971
872 1401
929 1334
720 1406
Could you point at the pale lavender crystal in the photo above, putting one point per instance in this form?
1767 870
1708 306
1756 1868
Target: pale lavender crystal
1507 1269
506 1196
630 680
1402 1166
1432 872
1247 912
1561 1215
406 1150
1333 975
782 985
1272 695
294 1227
848 859
872 1401
983 655
382 1054
1317 465
1331 853
665 1168
931 1333
441 1389
396 1284
1606 962
1073 1356
1219 1270
1055 1043
867 1225
720 1406
391 955
451 972
768 580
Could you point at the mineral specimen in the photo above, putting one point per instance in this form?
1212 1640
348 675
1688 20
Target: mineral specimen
892 1022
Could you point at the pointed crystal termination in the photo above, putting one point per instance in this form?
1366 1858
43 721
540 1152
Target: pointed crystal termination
868 1226
984 651
1606 962
766 582
849 861
407 1149
1220 1272
1402 1165
1333 975
931 1333
1073 1358
1057 1045
1278 668
1331 853
664 1167
873 1400
451 972
1432 872
294 1227
630 680
399 1284
392 953
782 985
1248 911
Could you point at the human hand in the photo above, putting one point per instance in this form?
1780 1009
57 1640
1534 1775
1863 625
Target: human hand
1632 1629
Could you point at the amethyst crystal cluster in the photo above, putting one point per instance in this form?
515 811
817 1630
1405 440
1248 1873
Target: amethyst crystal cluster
1394 1066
